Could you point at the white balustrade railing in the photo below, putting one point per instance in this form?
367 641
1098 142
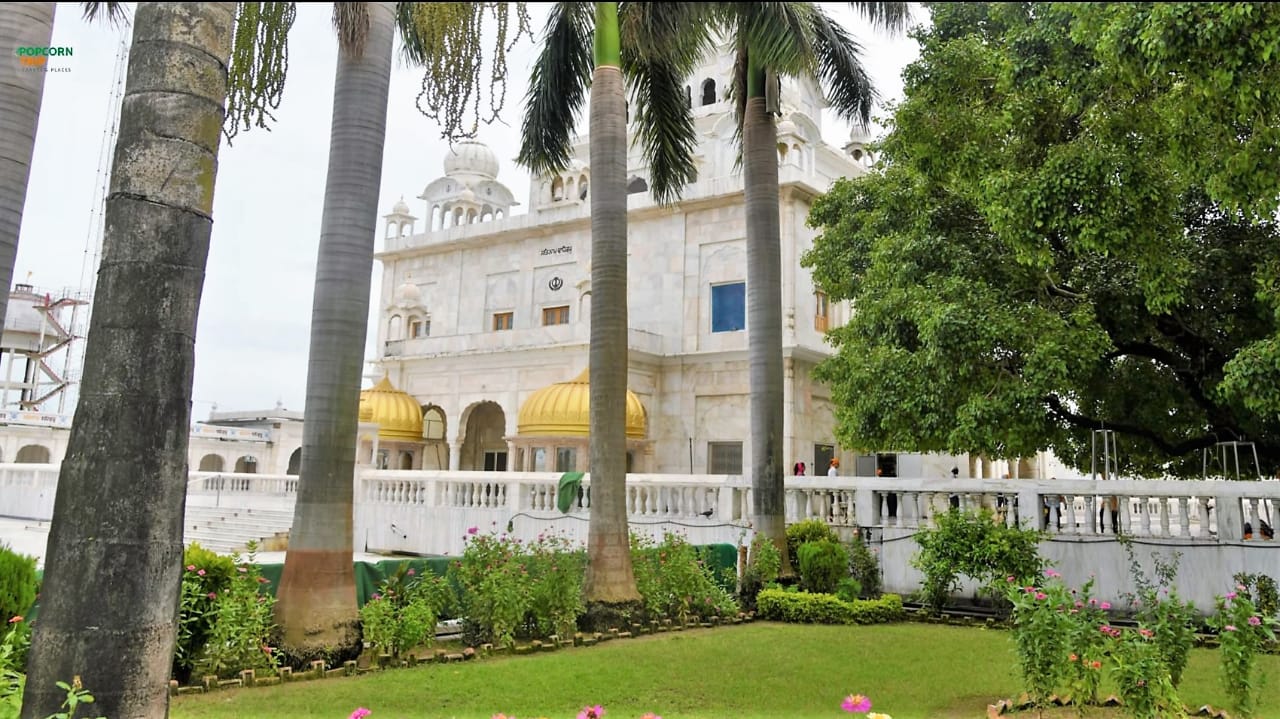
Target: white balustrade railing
28 490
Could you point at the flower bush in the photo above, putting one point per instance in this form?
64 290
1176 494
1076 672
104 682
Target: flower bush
206 576
1158 607
1242 633
1041 620
403 612
675 580
494 586
974 545
557 569
241 624
1141 673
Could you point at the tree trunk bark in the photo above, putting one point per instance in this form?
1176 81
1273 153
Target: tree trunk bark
113 571
317 610
610 579
764 313
22 24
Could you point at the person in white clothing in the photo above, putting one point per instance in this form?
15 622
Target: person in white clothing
832 471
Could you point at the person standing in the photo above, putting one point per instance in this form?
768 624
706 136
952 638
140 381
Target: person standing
833 469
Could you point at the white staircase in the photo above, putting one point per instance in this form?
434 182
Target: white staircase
227 529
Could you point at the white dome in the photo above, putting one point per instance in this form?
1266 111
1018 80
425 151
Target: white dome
471 158
400 208
467 195
859 136
409 293
787 127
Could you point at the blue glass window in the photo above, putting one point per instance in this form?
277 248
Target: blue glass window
729 307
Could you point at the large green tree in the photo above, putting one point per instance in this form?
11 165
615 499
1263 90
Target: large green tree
1073 229
774 40
647 49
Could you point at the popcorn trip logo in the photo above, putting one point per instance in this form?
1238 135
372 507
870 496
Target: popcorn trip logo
36 59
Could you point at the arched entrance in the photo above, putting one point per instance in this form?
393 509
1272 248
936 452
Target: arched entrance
33 454
211 463
435 453
247 464
484 447
295 462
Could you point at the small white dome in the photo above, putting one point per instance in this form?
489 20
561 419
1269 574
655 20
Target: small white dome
409 293
787 127
400 208
859 136
466 195
471 158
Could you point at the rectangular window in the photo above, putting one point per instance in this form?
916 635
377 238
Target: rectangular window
729 307
419 328
724 458
503 321
822 311
566 459
555 315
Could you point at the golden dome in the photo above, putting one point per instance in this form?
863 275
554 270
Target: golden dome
397 414
564 409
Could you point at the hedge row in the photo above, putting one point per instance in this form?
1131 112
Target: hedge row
803 607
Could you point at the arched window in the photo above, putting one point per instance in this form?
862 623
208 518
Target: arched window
211 463
708 92
557 190
394 328
636 184
295 462
688 96
247 464
582 188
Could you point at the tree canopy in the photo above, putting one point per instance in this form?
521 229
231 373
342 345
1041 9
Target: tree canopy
1072 227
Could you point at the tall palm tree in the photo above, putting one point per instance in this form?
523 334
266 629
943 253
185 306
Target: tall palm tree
648 49
776 39
317 610
118 513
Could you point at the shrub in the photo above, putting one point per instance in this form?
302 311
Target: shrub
675 580
763 564
1159 608
241 625
822 565
18 585
1141 674
1242 632
1261 590
807 608
402 614
494 587
1040 623
205 577
810 530
977 546
864 566
555 599
848 589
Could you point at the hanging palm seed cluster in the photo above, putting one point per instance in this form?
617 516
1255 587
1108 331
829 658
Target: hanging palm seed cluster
259 62
448 40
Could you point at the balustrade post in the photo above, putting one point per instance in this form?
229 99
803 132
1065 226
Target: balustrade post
1230 518
865 508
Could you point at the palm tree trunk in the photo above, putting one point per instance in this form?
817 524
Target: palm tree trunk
114 564
23 24
610 580
764 311
317 610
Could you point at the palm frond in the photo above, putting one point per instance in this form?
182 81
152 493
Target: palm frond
840 70
115 13
887 17
675 33
779 35
351 21
557 88
738 93
413 43
664 127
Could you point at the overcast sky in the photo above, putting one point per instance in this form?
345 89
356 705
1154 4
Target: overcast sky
252 340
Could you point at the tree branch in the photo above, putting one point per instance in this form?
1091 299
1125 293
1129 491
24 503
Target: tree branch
1058 410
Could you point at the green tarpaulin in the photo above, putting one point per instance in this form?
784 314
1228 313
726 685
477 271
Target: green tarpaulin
567 492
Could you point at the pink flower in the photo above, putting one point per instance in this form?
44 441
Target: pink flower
1079 604
213 595
650 715
1051 574
200 573
594 712
1229 628
1041 596
1010 578
1231 596
472 530
856 703
360 713
1105 606
242 570
410 572
15 619
191 567
1254 621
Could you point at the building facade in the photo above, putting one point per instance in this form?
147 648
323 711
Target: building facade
482 312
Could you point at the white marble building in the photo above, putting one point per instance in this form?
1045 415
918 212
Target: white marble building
480 310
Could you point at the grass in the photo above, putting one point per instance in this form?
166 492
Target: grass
753 671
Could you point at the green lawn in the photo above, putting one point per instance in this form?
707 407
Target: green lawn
911 671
